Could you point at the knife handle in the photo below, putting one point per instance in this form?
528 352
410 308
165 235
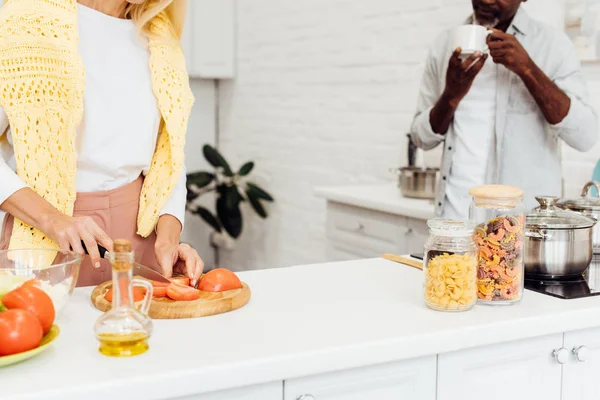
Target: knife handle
103 250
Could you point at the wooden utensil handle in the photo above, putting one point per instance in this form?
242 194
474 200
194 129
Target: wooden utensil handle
404 260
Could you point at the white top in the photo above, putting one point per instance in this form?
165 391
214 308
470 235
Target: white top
474 147
117 136
357 313
384 197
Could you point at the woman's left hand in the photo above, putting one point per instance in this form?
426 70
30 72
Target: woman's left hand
175 257
179 258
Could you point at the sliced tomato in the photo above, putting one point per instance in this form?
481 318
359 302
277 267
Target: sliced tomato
33 299
20 330
138 294
158 284
32 282
181 280
181 292
160 291
219 280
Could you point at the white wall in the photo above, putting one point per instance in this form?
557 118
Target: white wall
325 91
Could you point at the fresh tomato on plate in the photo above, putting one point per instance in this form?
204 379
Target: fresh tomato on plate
20 330
138 294
219 280
31 298
181 292
181 280
160 291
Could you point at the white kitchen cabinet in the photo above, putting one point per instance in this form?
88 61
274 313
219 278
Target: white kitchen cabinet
267 391
209 39
521 370
580 374
355 232
411 379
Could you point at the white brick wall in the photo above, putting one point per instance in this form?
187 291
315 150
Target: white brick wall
324 93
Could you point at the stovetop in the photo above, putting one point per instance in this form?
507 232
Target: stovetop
588 285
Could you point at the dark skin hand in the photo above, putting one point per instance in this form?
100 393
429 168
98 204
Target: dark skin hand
459 78
506 50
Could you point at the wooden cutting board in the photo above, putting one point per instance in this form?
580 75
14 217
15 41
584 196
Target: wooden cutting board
163 308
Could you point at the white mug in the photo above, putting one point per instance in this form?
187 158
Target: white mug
470 38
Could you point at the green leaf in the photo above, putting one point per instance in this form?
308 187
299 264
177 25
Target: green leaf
231 218
191 195
200 179
230 196
215 159
254 190
246 168
209 218
255 203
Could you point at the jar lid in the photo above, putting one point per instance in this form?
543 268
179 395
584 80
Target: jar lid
583 203
549 216
451 227
496 192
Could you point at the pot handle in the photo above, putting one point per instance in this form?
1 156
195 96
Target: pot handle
538 235
588 186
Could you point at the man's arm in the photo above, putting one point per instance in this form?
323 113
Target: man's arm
564 101
435 112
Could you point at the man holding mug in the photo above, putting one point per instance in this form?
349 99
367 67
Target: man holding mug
502 110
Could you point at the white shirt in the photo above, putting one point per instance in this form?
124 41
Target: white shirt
474 148
117 137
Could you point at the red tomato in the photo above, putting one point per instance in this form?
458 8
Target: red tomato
138 294
34 299
181 280
32 282
160 291
180 292
20 331
157 284
219 280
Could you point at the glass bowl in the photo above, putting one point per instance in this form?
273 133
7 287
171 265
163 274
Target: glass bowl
56 272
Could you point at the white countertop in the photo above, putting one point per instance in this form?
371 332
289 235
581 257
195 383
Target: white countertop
300 321
383 197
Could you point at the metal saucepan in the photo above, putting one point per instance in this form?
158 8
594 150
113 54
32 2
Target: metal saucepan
588 206
558 242
416 182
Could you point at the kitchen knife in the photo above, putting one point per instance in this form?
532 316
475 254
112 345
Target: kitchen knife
138 269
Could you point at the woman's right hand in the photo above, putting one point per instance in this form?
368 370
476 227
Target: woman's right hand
69 232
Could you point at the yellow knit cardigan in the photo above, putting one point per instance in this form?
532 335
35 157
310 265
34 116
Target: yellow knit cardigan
41 91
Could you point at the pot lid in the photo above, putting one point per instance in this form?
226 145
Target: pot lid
549 216
584 202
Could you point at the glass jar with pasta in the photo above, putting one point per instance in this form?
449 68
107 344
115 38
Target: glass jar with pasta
499 213
450 265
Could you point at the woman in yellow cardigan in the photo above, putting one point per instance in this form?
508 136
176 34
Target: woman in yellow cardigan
95 101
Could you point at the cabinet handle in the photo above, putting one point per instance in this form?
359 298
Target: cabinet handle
561 355
306 397
581 353
409 231
360 228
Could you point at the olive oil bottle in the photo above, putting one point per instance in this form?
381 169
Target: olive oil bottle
124 330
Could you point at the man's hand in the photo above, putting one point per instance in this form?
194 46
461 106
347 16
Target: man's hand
459 78
460 75
506 50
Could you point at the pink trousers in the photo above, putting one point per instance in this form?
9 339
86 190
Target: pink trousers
115 211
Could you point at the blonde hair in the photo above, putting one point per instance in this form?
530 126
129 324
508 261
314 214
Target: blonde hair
143 14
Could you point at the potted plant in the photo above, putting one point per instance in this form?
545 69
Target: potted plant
231 189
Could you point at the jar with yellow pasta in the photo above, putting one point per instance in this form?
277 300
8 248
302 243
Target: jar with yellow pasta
450 265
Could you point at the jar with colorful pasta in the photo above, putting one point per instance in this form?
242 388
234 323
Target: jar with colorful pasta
450 265
499 213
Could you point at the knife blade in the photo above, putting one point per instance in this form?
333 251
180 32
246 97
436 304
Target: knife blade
138 269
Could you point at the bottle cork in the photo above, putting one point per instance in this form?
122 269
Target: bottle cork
122 246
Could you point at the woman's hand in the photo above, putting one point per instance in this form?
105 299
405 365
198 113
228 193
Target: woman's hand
69 232
175 257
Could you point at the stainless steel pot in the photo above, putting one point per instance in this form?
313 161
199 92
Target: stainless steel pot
417 183
558 243
588 206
